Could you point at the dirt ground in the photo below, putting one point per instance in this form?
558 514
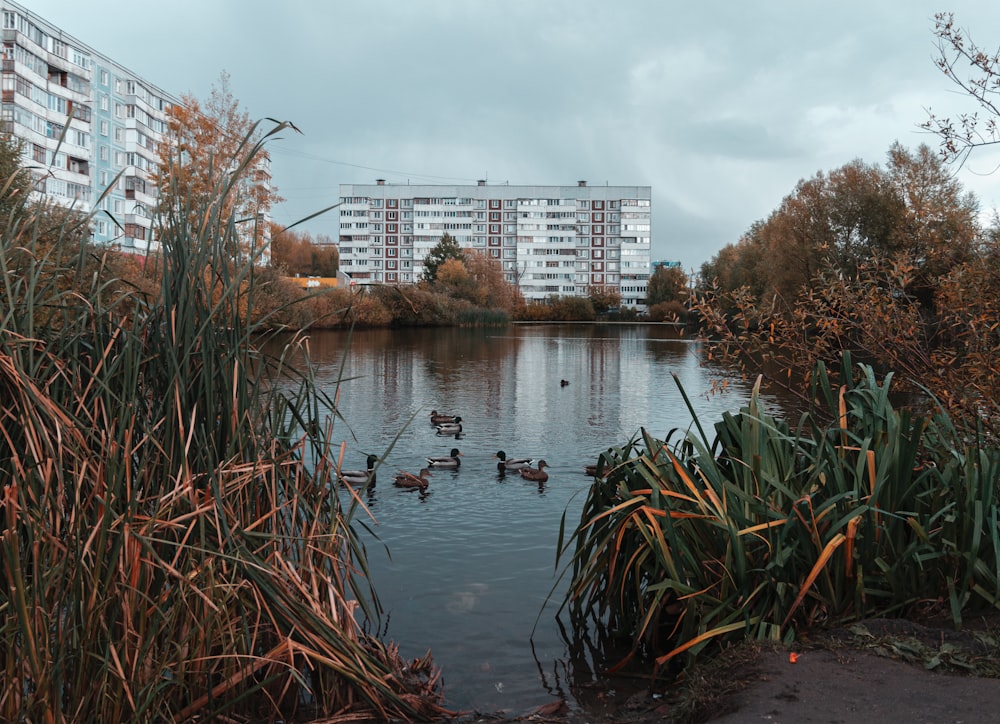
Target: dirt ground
882 670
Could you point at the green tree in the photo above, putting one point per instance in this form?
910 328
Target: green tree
445 249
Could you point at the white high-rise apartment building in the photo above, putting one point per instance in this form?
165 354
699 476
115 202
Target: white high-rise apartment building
550 240
91 129
85 122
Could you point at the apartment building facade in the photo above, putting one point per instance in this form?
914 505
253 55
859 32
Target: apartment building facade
90 127
549 240
91 130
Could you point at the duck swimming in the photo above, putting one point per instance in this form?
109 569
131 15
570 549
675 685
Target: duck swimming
450 428
537 474
439 418
511 463
404 479
360 477
449 461
597 472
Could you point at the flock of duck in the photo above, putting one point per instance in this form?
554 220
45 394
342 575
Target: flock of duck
445 425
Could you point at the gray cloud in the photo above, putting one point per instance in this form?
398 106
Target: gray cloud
721 107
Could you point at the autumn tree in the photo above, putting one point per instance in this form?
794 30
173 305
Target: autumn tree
492 288
299 253
446 248
604 298
209 157
937 227
453 279
912 212
666 284
898 274
479 279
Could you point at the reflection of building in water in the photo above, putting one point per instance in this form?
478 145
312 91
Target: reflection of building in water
550 240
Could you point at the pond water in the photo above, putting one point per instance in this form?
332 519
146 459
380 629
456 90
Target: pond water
464 568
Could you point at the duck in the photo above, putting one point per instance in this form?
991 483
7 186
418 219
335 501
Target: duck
511 463
537 474
597 472
439 418
449 461
450 428
360 477
404 479
563 383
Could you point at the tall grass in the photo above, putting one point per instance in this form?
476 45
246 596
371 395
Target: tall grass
173 544
765 531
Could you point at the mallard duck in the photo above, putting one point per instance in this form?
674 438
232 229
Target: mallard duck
438 418
404 479
449 461
595 472
512 463
537 474
450 428
360 477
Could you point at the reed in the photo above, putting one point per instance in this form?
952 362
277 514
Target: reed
173 544
765 531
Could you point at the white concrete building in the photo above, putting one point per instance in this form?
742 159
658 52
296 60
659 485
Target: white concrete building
91 129
84 120
550 240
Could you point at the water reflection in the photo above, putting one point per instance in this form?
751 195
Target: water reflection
468 563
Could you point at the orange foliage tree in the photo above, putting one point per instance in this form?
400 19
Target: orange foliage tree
479 279
297 252
888 265
207 157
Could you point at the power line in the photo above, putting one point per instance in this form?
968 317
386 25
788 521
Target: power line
277 150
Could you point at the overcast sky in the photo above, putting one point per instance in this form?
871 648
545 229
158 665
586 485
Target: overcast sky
720 107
